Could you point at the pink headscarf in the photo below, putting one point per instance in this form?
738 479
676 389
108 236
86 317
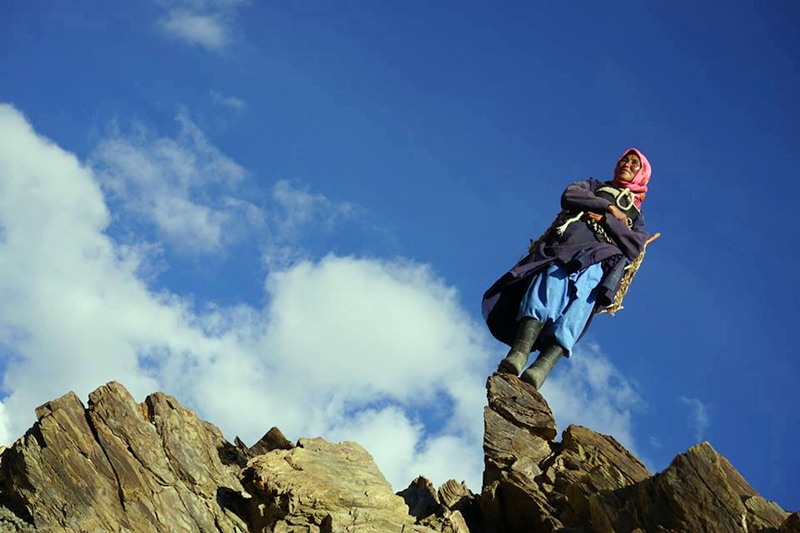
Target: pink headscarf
638 185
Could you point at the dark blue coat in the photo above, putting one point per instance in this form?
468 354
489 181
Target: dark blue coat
577 248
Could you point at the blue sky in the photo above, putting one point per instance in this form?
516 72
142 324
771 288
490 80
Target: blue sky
286 214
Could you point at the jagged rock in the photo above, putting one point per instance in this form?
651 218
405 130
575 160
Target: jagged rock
519 403
451 509
509 505
763 514
585 463
447 522
457 497
699 491
232 456
11 523
607 464
117 466
452 493
121 466
241 447
590 482
322 487
518 427
272 440
791 524
421 498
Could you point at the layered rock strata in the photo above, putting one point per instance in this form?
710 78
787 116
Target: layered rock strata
119 466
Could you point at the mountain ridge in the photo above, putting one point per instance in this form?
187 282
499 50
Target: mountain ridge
118 465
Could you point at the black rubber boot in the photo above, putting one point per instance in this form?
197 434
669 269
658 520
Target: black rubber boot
527 332
548 357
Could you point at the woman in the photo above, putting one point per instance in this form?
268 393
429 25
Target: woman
548 299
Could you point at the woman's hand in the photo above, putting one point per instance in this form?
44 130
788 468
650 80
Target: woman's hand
613 210
617 213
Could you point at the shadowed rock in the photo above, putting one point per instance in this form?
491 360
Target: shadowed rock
451 509
272 440
421 498
699 491
590 482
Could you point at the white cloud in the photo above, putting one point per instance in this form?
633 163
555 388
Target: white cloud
342 343
205 30
295 211
299 208
699 419
206 23
5 435
184 186
394 441
237 104
588 390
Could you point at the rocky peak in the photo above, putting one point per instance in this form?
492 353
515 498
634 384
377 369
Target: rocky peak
590 482
117 465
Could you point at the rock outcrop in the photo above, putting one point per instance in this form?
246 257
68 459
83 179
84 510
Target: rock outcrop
451 509
322 487
589 482
117 465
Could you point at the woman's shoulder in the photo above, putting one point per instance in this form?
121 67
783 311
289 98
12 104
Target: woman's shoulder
590 183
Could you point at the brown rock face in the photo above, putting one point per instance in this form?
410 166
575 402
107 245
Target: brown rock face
421 498
272 440
518 428
323 487
122 466
118 466
588 482
699 491
451 509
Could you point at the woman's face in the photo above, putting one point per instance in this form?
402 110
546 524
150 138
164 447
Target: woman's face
627 167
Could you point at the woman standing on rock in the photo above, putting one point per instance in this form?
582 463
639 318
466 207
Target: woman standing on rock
573 272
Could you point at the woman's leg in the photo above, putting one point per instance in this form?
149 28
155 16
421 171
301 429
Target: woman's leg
546 297
568 326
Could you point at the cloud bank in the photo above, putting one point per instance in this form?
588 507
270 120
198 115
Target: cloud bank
184 187
343 344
